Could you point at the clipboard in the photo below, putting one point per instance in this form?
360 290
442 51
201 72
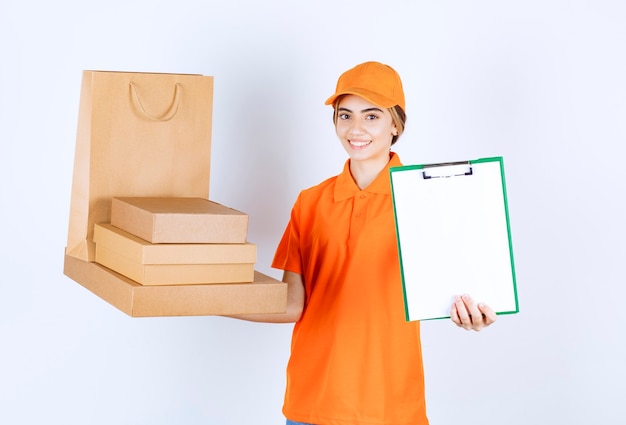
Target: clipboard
454 236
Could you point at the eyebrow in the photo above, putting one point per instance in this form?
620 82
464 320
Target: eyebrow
362 111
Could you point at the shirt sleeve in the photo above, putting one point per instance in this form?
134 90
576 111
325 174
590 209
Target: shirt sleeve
288 255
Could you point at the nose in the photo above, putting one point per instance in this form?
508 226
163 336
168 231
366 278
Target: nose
356 128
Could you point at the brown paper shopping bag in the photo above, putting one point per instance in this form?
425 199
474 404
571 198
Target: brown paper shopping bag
139 134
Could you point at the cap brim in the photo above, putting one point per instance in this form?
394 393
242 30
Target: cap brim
375 98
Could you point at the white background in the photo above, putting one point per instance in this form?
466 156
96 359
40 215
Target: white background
541 83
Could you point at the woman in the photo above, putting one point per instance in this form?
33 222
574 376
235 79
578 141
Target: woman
354 357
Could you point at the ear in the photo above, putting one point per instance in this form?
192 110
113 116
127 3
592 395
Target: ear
394 131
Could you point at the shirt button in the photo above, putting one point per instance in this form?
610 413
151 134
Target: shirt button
363 196
357 215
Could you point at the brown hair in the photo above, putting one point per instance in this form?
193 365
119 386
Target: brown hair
397 115
399 119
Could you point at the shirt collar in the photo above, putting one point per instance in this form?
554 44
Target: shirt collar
345 187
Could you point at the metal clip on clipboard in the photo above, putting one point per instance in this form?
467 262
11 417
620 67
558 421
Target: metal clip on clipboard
446 170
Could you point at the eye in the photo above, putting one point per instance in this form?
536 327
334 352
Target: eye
371 117
343 116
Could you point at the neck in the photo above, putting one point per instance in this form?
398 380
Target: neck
365 172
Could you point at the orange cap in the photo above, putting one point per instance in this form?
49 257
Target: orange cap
373 81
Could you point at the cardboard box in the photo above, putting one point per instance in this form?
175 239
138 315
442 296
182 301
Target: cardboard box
263 295
172 264
174 274
142 251
179 220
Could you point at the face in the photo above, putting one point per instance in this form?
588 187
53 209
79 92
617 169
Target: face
364 129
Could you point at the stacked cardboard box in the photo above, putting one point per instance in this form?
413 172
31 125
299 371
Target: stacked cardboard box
175 241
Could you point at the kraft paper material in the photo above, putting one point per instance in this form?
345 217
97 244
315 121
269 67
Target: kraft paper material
139 134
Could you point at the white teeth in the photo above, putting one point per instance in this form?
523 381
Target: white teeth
359 144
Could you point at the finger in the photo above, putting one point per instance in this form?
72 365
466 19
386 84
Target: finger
472 307
489 315
463 313
476 316
454 315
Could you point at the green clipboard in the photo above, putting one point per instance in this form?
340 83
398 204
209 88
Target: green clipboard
454 236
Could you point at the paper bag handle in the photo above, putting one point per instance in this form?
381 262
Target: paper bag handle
168 115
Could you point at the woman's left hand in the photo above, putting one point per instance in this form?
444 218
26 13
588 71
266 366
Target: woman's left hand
469 315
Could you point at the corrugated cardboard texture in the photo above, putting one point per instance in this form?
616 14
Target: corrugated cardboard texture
141 251
179 220
264 295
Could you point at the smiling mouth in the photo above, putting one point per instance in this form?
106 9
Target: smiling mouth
359 144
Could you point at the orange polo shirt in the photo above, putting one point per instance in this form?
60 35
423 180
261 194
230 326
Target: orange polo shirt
354 358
